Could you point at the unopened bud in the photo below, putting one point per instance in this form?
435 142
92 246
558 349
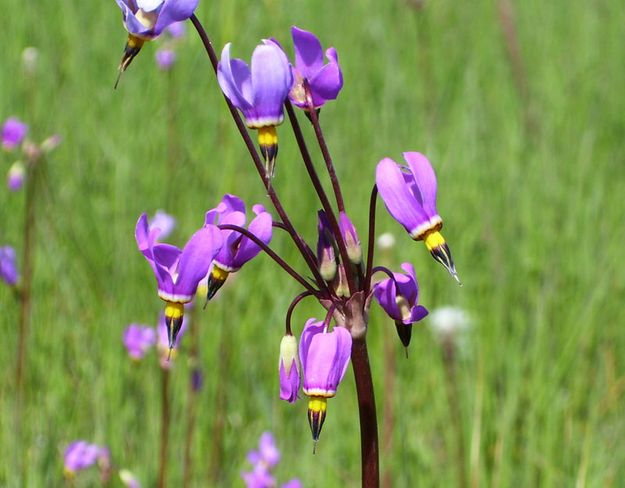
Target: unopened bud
325 248
289 368
350 236
16 176
51 143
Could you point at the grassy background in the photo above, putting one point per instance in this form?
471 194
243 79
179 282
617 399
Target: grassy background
531 182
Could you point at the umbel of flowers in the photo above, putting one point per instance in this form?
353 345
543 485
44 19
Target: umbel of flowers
341 273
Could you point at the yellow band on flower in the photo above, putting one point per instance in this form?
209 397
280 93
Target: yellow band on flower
318 404
267 136
174 310
433 240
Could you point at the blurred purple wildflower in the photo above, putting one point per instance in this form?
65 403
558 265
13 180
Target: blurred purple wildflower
263 462
81 455
165 58
8 265
13 133
177 30
163 221
138 339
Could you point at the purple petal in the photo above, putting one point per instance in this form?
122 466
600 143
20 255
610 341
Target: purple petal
138 340
418 313
385 293
160 259
271 82
268 449
326 359
399 200
174 11
308 52
177 30
13 133
165 58
235 80
261 227
294 483
327 83
195 260
80 455
8 265
311 328
424 188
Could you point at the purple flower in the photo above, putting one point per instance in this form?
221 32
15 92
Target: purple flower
260 477
8 265
288 369
260 92
399 299
146 19
165 58
177 272
138 339
177 30
268 454
163 221
237 249
410 197
13 133
80 455
324 357
324 81
16 176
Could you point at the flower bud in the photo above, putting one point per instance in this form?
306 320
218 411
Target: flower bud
350 236
16 176
51 143
325 248
289 369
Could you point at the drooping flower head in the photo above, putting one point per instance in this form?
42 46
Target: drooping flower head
8 265
289 368
324 357
138 339
177 272
146 19
409 194
400 300
81 455
351 239
259 92
313 79
13 133
237 249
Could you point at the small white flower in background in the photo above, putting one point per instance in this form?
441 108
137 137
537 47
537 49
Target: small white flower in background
386 241
448 322
30 56
128 479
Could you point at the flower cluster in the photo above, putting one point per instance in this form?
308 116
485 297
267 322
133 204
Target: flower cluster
263 462
341 276
80 455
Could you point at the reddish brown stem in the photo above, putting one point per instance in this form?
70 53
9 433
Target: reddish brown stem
165 416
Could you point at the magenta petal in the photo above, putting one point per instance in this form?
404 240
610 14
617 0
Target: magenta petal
308 52
385 293
195 260
268 449
424 188
325 357
399 200
13 133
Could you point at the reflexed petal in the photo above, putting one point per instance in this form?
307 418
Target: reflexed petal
425 181
407 283
261 227
399 200
418 313
327 83
308 52
385 293
311 329
174 11
271 82
149 5
196 258
133 25
146 243
235 80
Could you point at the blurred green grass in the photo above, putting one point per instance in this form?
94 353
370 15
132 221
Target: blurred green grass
533 213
